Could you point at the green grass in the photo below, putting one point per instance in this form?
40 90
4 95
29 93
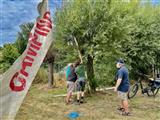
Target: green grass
41 104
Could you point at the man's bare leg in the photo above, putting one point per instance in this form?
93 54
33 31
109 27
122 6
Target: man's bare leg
121 105
82 94
126 105
78 96
69 94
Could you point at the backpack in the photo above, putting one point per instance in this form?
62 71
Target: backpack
71 75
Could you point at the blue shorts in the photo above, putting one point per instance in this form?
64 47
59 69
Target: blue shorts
81 84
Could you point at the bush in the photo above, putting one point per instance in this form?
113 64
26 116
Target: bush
41 77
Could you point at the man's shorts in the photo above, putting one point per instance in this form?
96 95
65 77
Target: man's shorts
70 86
81 84
123 95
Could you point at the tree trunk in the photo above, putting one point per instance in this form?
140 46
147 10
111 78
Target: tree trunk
90 73
153 71
50 74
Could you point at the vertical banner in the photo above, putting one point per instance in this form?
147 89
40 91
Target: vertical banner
15 82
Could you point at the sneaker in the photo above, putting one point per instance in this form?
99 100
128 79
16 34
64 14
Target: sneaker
120 109
126 114
68 102
81 101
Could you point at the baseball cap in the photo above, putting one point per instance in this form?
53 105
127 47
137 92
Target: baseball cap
120 61
69 64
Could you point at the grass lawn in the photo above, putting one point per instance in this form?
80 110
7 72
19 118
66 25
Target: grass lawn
40 104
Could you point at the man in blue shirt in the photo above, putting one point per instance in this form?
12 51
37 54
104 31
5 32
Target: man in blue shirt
122 86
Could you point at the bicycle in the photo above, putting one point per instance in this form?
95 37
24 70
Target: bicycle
151 89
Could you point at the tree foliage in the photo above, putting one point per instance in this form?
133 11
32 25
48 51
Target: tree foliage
22 37
9 54
107 30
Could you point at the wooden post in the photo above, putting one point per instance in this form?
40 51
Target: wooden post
50 75
79 52
80 56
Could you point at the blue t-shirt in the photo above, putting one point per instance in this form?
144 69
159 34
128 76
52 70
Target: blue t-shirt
123 74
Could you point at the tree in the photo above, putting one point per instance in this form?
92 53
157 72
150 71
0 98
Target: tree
49 59
9 54
96 27
107 30
23 35
144 45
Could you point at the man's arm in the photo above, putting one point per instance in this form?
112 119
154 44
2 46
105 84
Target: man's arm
117 84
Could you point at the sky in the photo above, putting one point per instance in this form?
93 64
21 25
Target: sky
155 2
13 13
16 12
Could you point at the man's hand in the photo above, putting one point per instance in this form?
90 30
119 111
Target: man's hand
117 84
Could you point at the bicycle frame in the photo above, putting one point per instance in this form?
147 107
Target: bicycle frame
141 85
139 82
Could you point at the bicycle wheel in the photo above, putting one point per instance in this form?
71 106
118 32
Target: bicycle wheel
133 91
152 91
